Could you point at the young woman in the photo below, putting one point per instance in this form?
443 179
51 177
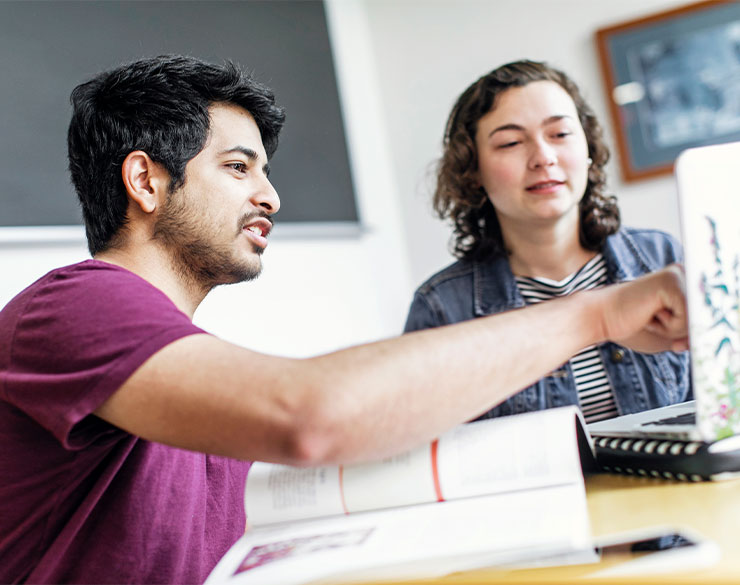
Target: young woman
522 180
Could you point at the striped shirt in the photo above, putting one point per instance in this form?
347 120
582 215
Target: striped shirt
595 393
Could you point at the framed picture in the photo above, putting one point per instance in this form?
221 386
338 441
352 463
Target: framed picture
673 82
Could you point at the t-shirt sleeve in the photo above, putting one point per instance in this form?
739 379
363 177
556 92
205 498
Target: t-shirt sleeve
78 337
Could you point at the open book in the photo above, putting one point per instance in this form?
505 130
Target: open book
496 491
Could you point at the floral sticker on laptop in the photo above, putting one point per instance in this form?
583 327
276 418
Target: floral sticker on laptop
718 353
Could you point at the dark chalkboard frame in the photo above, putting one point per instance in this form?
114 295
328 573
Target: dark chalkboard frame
46 48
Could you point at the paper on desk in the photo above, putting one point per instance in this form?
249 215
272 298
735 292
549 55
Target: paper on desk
421 541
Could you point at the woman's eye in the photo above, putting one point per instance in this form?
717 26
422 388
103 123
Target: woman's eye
508 144
562 134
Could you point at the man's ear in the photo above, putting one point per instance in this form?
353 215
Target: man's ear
145 181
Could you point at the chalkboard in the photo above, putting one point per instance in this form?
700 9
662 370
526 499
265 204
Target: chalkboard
47 48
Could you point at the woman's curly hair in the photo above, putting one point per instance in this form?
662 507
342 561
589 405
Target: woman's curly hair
459 196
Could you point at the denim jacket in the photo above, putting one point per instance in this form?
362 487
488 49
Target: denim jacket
468 289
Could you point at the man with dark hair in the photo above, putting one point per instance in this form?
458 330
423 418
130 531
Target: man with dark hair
126 431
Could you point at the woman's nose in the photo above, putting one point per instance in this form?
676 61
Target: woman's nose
543 156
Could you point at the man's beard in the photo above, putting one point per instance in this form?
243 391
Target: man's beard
200 261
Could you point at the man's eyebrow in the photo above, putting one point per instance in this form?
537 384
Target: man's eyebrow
550 120
250 153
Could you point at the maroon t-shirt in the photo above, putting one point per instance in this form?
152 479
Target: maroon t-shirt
81 500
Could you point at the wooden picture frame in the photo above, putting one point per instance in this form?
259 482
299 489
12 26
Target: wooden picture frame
672 81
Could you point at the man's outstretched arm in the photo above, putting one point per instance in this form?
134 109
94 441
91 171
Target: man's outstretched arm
369 401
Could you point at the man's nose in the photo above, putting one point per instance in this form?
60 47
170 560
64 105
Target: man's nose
266 198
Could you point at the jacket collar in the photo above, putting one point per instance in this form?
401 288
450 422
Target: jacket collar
625 260
495 290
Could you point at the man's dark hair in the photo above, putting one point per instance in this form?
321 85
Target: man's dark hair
459 196
160 106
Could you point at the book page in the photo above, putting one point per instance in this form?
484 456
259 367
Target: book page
517 452
280 493
402 480
422 541
490 456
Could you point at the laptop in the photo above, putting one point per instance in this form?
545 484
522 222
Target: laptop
708 182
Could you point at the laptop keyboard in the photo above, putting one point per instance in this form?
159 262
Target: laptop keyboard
688 418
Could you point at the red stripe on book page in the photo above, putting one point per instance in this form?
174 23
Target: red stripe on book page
435 473
341 488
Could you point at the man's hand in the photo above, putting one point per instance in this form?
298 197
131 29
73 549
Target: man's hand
648 314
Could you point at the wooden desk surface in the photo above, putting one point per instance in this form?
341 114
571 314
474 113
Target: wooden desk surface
623 503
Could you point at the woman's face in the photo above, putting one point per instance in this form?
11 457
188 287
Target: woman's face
533 157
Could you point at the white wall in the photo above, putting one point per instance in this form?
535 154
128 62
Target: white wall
316 294
401 64
429 51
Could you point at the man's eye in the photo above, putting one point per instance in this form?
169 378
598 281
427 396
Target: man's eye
238 167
